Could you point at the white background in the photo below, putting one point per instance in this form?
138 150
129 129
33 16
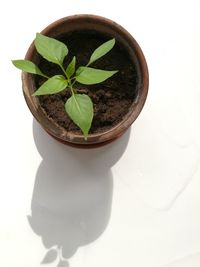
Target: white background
135 202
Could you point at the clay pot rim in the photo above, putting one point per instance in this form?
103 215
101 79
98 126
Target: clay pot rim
129 118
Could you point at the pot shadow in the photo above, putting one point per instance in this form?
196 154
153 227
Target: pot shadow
72 196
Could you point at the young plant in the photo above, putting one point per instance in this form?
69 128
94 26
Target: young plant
79 107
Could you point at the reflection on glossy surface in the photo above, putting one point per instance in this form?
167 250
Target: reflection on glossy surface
187 261
72 196
164 165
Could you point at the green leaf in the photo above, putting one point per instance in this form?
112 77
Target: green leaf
53 85
28 66
71 67
101 50
79 107
51 49
86 75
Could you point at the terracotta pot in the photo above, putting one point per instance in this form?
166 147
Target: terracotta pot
102 25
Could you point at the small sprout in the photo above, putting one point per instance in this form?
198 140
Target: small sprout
79 107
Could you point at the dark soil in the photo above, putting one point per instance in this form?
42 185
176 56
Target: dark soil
112 98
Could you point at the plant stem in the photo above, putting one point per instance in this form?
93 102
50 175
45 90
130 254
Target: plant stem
69 80
73 82
71 88
45 76
64 71
88 64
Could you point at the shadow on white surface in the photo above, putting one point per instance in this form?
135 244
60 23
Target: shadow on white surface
72 196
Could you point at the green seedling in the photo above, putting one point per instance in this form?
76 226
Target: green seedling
79 107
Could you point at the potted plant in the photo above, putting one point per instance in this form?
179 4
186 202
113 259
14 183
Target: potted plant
81 96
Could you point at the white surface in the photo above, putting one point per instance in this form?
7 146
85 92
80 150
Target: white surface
133 203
